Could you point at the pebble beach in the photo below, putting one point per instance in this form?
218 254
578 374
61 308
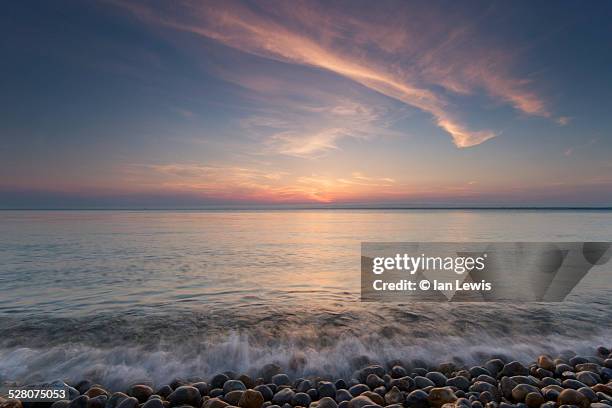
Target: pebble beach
567 380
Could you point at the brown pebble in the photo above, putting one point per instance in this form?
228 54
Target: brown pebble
572 397
251 399
440 396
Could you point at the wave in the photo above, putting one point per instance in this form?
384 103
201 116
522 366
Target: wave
117 352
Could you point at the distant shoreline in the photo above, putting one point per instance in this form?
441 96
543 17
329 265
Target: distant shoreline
303 208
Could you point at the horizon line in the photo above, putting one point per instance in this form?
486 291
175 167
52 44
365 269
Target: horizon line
313 207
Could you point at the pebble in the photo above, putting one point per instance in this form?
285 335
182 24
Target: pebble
606 374
185 395
561 368
97 402
218 380
140 392
233 397
216 392
485 397
79 402
304 386
589 393
56 404
95 391
550 381
419 371
360 402
202 387
494 366
215 403
326 389
477 370
521 390
281 379
313 394
394 396
564 382
270 370
265 392
423 382
461 383
177 382
534 399
374 381
578 360
572 397
447 368
404 383
129 402
541 373
233 385
437 378
417 399
550 394
343 395
373 369
301 399
506 385
358 389
376 398
522 379
164 391
588 378
341 384
153 403
482 386
440 396
283 396
115 399
327 402
574 384
606 389
592 367
514 368
398 371
546 362
246 380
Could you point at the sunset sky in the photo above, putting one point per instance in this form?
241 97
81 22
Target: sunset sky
186 104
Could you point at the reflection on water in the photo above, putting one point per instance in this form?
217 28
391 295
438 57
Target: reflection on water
120 296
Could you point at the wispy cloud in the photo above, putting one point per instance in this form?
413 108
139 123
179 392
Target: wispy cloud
248 183
393 57
307 145
313 130
570 150
563 120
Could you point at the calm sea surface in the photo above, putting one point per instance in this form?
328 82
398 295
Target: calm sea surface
123 296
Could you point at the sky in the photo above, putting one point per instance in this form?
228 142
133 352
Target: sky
190 104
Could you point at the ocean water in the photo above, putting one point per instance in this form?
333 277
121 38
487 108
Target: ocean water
126 296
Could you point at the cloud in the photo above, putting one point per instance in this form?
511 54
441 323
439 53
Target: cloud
235 183
316 127
306 145
422 57
329 189
304 34
563 120
572 149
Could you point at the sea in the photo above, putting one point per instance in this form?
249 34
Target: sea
120 297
